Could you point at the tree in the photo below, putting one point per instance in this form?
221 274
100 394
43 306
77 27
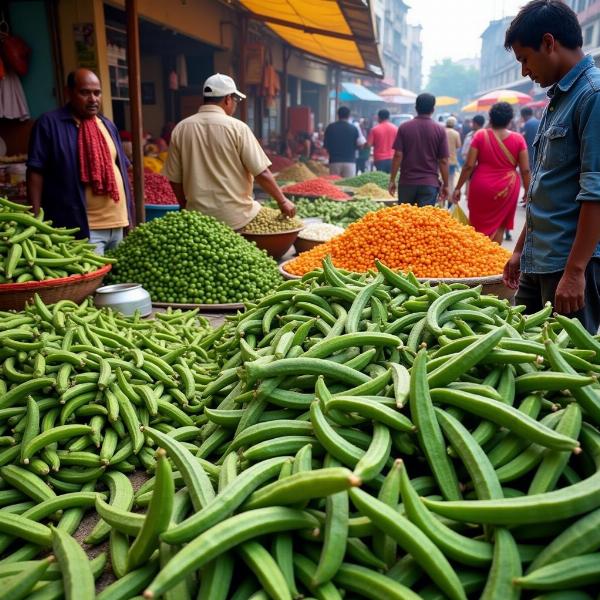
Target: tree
448 78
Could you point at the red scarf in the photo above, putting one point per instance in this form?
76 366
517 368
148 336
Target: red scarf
95 162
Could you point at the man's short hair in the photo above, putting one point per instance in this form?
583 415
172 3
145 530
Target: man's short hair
539 17
384 114
501 114
479 119
425 104
212 99
343 112
526 111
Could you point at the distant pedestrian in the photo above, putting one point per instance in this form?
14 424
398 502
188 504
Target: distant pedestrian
421 154
454 146
342 139
381 138
493 158
466 128
364 152
477 122
529 129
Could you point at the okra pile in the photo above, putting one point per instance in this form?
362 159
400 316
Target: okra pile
31 249
352 436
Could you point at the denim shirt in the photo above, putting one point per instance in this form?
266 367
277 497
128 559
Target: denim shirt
566 169
53 153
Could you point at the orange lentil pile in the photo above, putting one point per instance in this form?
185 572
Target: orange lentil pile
426 241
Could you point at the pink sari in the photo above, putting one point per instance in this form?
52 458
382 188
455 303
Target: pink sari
494 186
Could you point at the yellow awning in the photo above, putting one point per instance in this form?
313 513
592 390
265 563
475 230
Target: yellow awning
338 31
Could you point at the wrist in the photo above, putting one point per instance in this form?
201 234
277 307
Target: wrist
574 269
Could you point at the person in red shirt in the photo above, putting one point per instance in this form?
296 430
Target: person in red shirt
381 139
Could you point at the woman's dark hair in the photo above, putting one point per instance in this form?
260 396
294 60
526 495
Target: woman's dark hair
479 119
501 114
544 16
425 104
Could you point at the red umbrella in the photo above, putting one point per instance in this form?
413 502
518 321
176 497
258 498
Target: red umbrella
510 96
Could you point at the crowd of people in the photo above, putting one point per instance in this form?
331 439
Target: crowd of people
77 167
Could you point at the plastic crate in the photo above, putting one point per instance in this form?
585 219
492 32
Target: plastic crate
154 211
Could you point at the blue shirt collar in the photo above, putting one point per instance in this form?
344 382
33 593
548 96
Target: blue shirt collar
573 75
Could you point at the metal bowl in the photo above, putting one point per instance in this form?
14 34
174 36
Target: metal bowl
124 297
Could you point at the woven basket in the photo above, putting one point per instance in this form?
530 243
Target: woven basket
13 296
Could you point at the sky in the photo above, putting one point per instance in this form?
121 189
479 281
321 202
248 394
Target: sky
452 28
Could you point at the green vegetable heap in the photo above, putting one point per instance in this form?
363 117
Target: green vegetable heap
31 249
379 178
270 220
332 211
186 257
361 436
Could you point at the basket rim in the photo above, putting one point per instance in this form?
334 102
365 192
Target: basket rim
49 283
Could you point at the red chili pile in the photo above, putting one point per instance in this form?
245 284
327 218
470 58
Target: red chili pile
331 177
316 188
157 189
278 163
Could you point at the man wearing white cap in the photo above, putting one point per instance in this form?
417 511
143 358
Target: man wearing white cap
214 158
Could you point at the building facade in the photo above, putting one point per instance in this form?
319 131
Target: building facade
588 13
179 47
498 68
400 44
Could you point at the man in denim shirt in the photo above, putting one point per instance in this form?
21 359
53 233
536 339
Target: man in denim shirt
557 257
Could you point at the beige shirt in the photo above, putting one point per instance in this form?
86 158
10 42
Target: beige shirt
216 157
102 211
453 145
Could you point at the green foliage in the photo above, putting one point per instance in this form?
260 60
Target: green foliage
452 79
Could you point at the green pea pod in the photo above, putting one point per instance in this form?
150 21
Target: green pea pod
266 569
222 537
410 537
78 578
197 481
428 429
506 566
158 515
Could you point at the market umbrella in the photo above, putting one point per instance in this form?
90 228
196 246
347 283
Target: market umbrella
471 107
510 96
397 91
445 100
398 100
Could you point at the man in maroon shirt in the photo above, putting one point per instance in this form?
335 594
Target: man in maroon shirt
381 138
421 154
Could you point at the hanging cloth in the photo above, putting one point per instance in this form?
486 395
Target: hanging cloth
95 162
13 104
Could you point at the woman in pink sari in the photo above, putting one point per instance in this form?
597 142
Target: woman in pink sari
491 165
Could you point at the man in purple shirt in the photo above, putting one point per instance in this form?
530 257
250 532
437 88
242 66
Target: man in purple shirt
421 153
